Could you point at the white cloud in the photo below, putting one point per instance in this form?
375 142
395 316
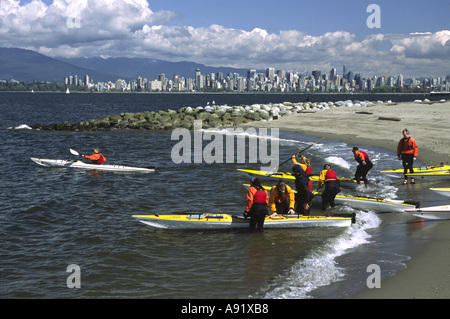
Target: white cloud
130 28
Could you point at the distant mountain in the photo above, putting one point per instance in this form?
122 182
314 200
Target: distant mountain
131 68
28 66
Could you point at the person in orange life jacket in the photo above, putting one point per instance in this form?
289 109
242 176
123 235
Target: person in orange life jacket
282 199
304 163
256 206
407 151
364 165
304 196
96 158
329 178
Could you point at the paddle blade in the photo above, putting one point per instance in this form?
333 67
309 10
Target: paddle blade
74 152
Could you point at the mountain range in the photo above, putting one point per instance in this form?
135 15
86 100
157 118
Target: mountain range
28 66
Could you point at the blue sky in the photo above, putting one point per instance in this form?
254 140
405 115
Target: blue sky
313 16
296 35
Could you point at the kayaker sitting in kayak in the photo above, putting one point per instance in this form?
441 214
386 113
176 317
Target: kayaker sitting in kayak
282 199
96 158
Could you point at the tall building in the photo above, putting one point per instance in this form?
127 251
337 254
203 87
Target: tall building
316 74
270 73
199 82
333 74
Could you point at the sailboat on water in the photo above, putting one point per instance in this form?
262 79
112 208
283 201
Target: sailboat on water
67 91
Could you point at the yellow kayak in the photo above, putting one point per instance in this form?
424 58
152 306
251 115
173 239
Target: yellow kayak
288 176
398 173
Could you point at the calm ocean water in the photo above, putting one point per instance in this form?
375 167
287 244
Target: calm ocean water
52 218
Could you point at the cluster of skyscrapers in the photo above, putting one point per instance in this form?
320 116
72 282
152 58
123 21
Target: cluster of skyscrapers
269 80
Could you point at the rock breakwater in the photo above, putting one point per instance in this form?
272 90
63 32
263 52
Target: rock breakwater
215 116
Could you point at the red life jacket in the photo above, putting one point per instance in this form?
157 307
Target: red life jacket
365 154
330 175
102 159
260 197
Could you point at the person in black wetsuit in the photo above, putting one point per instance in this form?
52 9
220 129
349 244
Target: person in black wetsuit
304 196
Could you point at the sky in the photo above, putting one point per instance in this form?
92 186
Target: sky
374 37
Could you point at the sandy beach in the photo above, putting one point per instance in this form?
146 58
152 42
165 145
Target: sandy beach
427 274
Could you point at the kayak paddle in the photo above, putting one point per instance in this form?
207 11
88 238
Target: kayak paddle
297 153
75 152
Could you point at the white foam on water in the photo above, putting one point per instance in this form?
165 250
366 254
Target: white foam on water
320 267
20 127
338 161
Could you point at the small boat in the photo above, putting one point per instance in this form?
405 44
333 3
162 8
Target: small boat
435 176
434 212
399 173
345 182
100 167
442 191
364 203
227 221
67 91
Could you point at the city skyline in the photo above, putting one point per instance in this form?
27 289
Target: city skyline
271 80
378 37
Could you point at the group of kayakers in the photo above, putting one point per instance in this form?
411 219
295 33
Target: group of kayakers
282 199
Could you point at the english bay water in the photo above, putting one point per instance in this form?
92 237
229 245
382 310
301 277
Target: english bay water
52 218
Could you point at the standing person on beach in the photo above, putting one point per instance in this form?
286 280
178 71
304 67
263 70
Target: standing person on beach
256 206
329 178
304 196
407 151
364 166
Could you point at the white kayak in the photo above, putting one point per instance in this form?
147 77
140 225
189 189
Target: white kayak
442 191
364 203
80 164
226 221
434 212
399 173
435 176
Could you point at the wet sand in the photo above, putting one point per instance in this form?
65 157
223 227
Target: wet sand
427 274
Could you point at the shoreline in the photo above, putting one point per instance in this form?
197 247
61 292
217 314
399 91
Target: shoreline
427 274
365 128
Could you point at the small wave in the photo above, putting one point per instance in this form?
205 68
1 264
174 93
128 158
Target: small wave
255 133
320 267
338 161
20 127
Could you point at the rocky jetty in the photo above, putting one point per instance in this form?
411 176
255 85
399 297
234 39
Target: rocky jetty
212 116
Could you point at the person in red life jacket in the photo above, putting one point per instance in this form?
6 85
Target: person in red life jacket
282 199
407 151
304 196
257 203
305 164
329 178
96 158
364 166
